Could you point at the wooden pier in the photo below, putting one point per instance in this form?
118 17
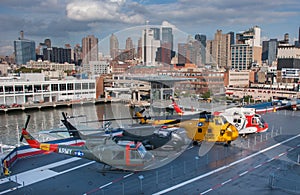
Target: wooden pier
54 105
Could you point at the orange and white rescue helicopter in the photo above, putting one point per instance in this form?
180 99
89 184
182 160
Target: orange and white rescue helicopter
245 120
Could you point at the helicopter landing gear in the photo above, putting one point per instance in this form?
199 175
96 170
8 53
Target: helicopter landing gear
227 143
109 169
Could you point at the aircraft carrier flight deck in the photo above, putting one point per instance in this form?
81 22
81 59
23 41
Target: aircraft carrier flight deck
262 163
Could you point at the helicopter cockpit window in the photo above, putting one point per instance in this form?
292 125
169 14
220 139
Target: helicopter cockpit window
259 122
141 150
218 121
210 118
134 154
118 155
254 121
224 120
260 119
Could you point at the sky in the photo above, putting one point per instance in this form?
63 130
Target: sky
68 21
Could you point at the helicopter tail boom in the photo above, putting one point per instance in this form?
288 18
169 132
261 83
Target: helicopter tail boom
36 144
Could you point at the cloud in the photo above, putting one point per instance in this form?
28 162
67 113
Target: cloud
107 10
6 49
167 24
73 19
221 13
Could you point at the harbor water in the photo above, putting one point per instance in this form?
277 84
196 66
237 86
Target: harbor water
12 123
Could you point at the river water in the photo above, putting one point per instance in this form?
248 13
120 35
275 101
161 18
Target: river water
12 122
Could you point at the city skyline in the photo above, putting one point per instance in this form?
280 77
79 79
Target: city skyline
69 21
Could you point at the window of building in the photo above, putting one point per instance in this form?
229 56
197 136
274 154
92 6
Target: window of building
28 88
37 88
85 86
46 87
9 89
77 86
70 86
18 88
54 87
62 87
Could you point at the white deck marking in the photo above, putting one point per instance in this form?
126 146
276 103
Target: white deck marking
224 167
281 154
245 172
27 175
206 191
128 175
258 166
40 174
225 182
105 185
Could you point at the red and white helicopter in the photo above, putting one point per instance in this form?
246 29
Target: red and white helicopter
179 111
245 120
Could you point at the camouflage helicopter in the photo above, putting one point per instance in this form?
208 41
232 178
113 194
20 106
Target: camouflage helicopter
126 155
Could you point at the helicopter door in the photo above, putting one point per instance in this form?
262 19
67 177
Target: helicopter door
135 154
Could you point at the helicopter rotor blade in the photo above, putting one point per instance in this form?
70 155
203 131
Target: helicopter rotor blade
143 110
115 119
176 121
25 127
62 131
27 121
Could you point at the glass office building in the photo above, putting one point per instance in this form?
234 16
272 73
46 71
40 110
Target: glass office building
24 51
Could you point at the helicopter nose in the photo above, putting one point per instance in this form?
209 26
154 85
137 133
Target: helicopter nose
266 125
234 131
148 157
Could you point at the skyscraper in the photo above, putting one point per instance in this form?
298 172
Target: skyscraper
232 41
156 33
189 52
269 51
59 55
202 40
241 56
149 47
218 50
129 49
167 36
24 50
113 46
250 37
89 49
182 49
47 43
297 43
129 44
164 55
77 54
247 51
140 49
